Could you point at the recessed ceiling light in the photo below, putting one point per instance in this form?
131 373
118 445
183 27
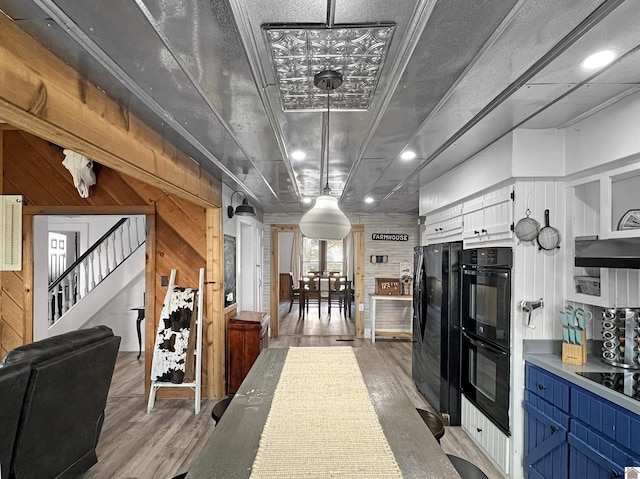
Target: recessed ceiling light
368 199
598 60
306 200
298 155
408 155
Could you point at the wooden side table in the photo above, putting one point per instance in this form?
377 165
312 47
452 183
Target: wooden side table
247 336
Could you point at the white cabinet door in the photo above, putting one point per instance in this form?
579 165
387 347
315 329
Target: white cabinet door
444 226
489 218
473 219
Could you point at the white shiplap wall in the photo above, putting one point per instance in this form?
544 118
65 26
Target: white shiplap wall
539 273
536 274
390 315
393 316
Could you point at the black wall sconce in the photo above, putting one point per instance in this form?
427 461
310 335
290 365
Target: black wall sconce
244 209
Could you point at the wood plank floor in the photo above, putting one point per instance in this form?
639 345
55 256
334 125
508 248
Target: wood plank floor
134 444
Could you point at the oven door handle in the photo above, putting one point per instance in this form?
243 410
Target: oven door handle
492 273
485 346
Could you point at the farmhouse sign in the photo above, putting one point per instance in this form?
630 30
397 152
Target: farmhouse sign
390 237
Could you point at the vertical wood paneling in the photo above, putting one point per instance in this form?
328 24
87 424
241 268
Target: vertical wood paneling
27 278
539 273
215 321
151 307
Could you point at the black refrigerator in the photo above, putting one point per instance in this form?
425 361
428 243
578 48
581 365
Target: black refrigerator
436 327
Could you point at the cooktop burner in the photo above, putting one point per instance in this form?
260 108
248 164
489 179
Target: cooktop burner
627 383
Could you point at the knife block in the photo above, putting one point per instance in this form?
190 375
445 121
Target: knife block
575 353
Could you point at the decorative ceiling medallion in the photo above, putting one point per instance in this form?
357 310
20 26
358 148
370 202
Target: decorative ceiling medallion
301 51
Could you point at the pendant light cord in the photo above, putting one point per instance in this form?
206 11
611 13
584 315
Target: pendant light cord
327 145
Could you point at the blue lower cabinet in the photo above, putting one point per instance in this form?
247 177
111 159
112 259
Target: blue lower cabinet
546 446
573 433
618 424
587 463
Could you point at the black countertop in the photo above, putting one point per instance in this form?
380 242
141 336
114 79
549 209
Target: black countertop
552 362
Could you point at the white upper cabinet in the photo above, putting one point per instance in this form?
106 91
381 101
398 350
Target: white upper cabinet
488 218
444 226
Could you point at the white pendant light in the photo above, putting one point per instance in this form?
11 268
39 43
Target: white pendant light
325 221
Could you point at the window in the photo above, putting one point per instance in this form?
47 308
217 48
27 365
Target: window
320 255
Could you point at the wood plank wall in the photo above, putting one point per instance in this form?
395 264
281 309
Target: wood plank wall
33 168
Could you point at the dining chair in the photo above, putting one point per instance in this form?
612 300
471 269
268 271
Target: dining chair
338 293
295 292
310 291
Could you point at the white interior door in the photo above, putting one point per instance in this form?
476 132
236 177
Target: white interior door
246 274
57 255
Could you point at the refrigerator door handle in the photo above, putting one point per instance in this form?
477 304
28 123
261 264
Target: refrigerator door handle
485 346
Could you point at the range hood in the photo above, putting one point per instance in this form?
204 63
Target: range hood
608 253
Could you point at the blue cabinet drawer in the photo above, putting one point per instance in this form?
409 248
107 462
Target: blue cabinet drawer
614 422
548 386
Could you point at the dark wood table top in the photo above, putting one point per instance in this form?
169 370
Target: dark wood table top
230 451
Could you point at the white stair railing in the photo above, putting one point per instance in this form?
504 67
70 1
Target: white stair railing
95 264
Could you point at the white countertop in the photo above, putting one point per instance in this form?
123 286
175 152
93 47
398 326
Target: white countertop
553 363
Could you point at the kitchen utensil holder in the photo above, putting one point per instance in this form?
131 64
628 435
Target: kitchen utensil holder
622 349
575 353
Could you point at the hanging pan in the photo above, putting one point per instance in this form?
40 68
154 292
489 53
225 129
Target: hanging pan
527 229
549 237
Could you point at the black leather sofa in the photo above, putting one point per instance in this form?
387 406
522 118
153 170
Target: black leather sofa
53 395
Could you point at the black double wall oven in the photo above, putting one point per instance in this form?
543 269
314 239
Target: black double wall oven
486 331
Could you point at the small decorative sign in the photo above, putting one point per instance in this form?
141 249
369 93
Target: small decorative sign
388 286
390 236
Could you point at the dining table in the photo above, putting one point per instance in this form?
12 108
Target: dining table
233 446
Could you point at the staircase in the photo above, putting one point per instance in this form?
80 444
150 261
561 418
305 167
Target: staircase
92 272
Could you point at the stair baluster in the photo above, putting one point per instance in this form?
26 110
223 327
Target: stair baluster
121 230
85 265
138 235
92 260
107 265
99 255
129 237
114 247
64 287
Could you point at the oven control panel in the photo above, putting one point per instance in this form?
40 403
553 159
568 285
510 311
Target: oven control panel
501 256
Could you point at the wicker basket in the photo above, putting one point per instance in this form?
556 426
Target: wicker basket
587 285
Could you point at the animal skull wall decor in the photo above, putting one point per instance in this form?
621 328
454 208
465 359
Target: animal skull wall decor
81 169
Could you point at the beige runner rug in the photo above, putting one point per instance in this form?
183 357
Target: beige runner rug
322 423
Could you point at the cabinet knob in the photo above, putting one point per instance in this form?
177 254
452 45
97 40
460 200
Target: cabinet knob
478 429
554 429
615 473
476 232
541 386
484 231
